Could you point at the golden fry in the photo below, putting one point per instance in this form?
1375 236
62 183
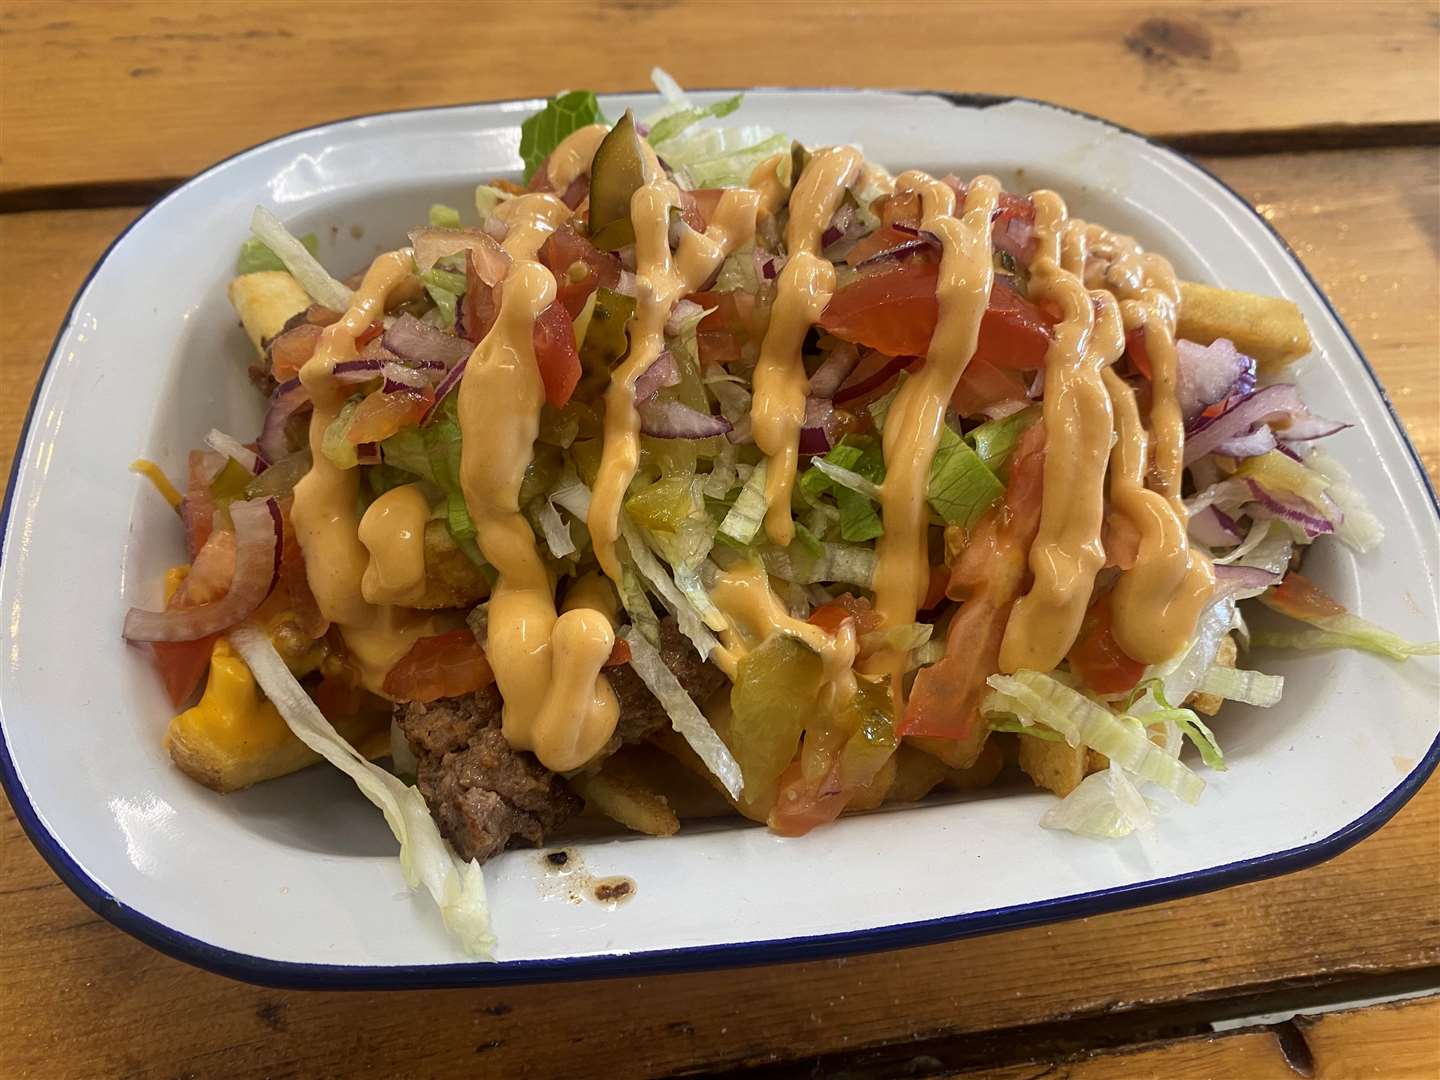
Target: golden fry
1225 656
265 302
1270 329
616 792
451 577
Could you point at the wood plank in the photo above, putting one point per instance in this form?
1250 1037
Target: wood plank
1397 1042
80 996
185 85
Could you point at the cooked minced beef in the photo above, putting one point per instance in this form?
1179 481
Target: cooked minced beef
487 796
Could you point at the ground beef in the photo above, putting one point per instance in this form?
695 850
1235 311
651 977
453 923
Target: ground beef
487 796
484 795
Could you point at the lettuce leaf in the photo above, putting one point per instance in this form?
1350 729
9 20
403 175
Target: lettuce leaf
672 124
562 115
255 257
962 486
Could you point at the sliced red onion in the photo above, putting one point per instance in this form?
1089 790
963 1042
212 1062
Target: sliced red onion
1016 237
672 420
1242 582
1214 528
415 341
834 371
1036 390
918 242
495 228
367 454
1242 417
662 372
447 384
234 449
627 285
816 434
412 378
1260 441
259 540
893 368
1001 409
830 236
684 311
287 399
1308 427
1289 508
432 244
1206 374
359 371
1290 452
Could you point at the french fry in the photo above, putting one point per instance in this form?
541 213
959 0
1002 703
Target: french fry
233 738
451 577
916 775
619 794
1225 656
1057 766
876 791
265 302
1270 329
982 772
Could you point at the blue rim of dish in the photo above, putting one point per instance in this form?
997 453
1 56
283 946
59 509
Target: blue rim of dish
291 975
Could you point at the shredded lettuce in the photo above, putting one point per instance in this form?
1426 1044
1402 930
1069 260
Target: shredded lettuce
673 123
903 638
847 563
432 453
1237 684
1105 805
743 521
338 449
487 199
684 715
444 217
557 533
851 472
1347 632
995 440
962 486
1030 695
457 887
692 624
303 266
562 115
255 257
1359 528
637 603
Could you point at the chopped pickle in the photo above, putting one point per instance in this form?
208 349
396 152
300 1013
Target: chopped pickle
663 506
772 700
617 172
230 483
605 339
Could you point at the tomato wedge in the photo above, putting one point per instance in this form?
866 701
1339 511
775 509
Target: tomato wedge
1135 348
382 414
1096 657
1300 598
894 310
983 385
556 355
579 268
991 572
847 606
445 665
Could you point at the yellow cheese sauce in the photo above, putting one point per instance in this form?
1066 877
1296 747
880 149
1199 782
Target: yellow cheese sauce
662 279
1158 601
803 289
917 416
547 666
325 514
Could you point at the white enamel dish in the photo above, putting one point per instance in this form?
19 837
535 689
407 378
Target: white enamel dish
295 882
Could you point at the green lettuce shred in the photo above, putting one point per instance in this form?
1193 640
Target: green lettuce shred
562 115
255 256
444 217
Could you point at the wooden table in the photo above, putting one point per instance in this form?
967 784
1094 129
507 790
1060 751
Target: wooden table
1325 115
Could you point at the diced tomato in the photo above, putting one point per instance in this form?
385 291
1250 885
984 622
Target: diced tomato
290 350
903 208
991 572
704 201
182 666
556 355
935 591
847 606
801 805
886 238
1300 598
1135 348
381 415
895 311
369 334
871 378
562 253
294 581
577 192
1096 657
445 665
719 348
338 696
1121 540
983 384
619 653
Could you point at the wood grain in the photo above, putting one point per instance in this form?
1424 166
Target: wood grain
1396 1042
202 81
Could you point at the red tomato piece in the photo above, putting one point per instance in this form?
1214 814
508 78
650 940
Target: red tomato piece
883 239
383 414
182 666
719 348
556 355
198 508
983 385
445 665
895 311
619 653
1300 598
945 699
1135 348
847 606
369 334
290 350
579 268
1096 657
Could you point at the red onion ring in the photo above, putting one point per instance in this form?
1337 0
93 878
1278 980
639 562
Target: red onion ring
673 420
287 399
259 541
661 372
417 342
834 371
237 451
